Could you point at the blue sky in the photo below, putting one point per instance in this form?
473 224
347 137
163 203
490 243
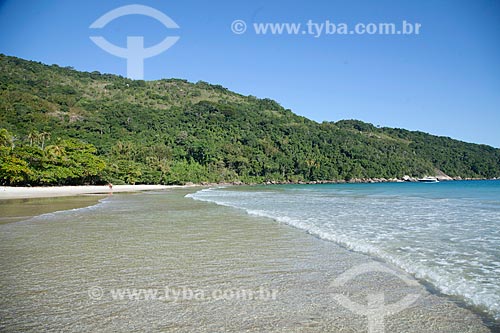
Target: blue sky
445 81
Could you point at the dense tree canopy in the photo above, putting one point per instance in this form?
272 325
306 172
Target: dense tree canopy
61 126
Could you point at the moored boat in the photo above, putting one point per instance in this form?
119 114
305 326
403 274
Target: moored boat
428 179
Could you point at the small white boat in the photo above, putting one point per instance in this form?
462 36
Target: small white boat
428 179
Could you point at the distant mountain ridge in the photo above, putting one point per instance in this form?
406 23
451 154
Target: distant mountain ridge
172 131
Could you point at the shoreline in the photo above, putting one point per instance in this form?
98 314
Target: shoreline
487 318
25 192
15 210
363 181
12 192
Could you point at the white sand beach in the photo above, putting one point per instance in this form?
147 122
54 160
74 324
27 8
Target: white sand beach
7 192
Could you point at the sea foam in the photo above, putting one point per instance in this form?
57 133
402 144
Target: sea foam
447 240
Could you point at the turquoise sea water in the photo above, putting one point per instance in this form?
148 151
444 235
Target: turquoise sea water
447 233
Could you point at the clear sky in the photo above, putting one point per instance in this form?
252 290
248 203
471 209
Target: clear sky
445 81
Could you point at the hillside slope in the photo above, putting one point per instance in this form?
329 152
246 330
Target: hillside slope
173 131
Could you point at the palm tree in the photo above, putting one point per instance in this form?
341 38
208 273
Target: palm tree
33 136
44 136
125 149
54 152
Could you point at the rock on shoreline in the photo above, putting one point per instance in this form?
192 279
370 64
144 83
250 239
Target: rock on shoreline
403 179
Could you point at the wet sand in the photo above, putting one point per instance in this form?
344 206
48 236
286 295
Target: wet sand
22 209
159 240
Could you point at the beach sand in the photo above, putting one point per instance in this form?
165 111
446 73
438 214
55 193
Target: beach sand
13 210
59 272
21 203
8 192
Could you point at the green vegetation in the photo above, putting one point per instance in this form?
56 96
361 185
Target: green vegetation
61 126
69 161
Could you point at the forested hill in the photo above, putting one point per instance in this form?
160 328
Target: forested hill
61 126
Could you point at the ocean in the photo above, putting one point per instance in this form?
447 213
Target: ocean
446 234
162 262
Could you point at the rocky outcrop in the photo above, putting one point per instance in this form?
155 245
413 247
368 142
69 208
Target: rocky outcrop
407 178
441 176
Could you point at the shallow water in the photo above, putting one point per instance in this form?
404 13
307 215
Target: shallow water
447 233
65 271
13 210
